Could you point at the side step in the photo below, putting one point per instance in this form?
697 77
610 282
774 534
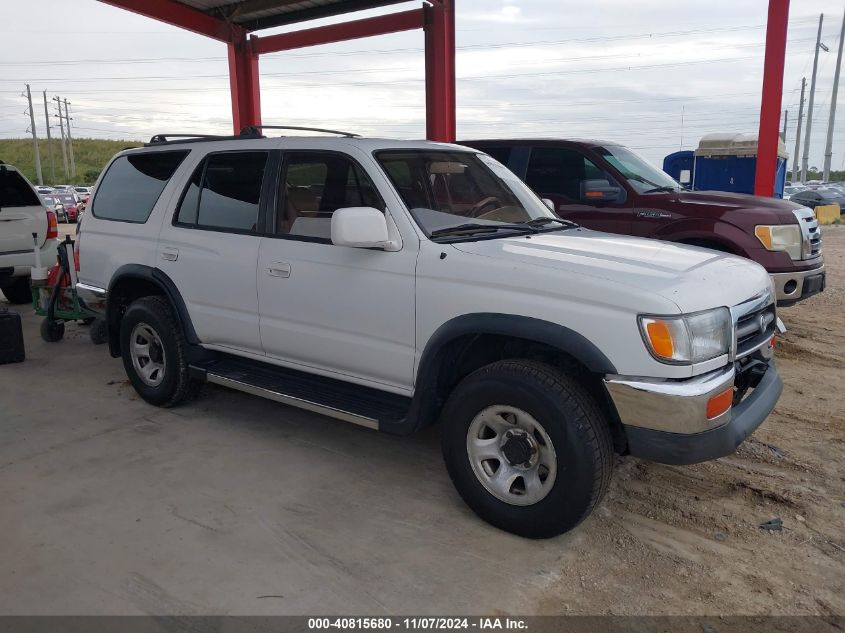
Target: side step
367 407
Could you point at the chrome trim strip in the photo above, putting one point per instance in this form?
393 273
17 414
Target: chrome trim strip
672 406
93 297
293 401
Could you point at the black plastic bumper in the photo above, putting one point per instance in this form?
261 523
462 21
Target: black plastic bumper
679 448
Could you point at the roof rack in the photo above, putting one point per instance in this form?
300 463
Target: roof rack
166 139
255 129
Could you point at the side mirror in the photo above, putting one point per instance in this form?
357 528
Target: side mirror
548 203
359 227
599 191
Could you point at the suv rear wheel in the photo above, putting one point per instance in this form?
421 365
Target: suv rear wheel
527 447
154 352
18 291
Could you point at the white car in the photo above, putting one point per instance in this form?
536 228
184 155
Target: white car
22 214
398 284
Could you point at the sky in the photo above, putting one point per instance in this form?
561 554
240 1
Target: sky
653 75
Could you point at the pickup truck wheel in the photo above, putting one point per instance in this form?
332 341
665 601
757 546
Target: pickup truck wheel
155 353
527 447
18 291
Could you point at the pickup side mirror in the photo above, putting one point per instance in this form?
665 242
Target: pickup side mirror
599 191
548 203
359 227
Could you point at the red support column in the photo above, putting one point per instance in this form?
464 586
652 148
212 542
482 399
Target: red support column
767 138
244 83
440 71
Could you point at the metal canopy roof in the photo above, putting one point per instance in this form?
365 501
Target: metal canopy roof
254 15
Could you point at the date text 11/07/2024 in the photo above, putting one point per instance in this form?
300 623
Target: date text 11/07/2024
418 623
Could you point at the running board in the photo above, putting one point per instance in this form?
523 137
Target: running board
364 406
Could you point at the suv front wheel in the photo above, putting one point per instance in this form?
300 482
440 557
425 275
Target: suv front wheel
527 447
154 352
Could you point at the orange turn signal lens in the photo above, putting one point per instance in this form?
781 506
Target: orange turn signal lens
720 403
660 338
764 234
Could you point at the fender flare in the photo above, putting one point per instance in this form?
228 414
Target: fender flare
426 405
158 278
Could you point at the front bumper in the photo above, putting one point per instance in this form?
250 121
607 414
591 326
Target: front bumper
666 421
793 287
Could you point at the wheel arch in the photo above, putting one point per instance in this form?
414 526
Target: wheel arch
470 341
133 281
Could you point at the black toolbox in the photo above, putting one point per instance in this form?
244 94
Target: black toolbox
11 337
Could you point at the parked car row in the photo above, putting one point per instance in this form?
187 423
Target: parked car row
68 203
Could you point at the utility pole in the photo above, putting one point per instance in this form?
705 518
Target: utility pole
785 119
68 119
805 158
34 137
62 130
828 149
49 140
796 177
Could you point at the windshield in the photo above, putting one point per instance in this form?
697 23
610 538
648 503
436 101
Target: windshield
66 198
448 189
642 175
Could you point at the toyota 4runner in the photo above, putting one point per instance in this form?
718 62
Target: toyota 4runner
395 284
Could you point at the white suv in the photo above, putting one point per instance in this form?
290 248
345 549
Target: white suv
22 214
395 284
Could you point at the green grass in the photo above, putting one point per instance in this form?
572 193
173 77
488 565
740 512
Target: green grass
90 154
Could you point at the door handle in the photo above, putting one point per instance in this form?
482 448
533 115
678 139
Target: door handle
279 269
170 254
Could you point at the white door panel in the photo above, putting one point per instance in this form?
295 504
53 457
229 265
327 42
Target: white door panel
339 309
215 272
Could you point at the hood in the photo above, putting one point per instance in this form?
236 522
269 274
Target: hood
692 278
717 203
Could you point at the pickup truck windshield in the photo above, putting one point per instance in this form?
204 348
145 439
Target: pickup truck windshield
470 193
642 175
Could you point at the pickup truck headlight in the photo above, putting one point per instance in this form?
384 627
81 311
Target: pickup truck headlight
780 237
688 338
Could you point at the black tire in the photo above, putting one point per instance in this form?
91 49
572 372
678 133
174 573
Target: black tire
18 292
578 431
98 332
52 331
176 385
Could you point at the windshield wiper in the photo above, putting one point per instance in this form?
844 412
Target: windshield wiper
660 188
543 221
472 228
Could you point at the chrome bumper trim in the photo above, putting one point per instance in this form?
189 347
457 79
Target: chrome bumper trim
781 279
672 406
93 297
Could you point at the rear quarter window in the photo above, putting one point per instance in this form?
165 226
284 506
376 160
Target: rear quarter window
15 191
133 184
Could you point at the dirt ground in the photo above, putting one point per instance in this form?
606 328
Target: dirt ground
237 505
686 540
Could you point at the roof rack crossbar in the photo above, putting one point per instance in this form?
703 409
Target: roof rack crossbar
256 128
165 139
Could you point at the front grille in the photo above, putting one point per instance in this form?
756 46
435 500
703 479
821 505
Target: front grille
811 235
754 329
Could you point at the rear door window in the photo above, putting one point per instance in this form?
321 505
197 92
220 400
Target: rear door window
224 192
133 184
15 190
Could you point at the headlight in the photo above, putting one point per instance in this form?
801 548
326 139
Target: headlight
688 338
780 237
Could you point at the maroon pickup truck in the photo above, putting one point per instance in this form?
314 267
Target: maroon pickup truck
607 187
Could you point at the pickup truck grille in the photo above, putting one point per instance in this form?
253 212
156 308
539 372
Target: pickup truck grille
753 329
811 235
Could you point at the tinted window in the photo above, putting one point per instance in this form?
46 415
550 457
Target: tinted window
15 190
133 184
316 185
501 154
230 193
553 170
